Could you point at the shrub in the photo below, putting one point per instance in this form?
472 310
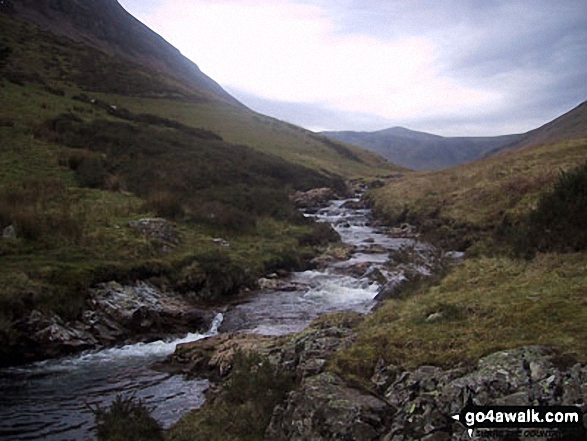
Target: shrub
244 408
92 173
556 224
127 420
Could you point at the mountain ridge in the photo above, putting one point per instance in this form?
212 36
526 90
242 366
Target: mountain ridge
421 150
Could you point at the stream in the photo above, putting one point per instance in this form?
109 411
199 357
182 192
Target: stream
53 400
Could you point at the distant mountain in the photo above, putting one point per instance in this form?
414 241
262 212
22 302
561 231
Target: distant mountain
571 125
422 151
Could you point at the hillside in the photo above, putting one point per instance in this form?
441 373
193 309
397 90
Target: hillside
122 62
91 142
422 151
462 206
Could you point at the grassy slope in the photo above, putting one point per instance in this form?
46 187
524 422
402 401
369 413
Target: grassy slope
72 236
461 206
491 301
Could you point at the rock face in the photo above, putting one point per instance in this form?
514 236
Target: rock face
117 314
426 398
324 408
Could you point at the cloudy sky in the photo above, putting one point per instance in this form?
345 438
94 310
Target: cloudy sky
450 67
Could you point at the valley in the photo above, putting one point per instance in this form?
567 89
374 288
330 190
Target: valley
249 279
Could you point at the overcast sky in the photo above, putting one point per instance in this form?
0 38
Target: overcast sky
450 67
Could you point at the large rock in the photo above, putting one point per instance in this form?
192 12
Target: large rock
116 314
315 198
427 397
162 232
325 408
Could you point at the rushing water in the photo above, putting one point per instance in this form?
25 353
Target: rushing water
52 400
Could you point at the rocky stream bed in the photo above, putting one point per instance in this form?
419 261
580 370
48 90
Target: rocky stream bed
49 400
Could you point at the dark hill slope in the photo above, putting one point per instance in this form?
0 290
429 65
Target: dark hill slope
419 150
106 25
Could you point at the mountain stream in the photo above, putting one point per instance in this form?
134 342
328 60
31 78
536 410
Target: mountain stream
53 400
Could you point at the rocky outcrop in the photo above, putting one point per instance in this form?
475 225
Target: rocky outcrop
117 314
426 398
402 404
313 199
325 408
162 232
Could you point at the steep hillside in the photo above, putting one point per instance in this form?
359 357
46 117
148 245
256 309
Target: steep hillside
422 151
124 63
92 142
107 26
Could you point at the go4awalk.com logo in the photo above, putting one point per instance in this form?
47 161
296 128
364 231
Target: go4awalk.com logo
552 422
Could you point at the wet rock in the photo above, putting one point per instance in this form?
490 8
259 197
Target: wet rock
314 198
267 284
144 308
324 407
392 289
48 336
375 275
406 231
161 231
360 204
375 249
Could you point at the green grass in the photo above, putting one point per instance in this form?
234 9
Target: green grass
488 304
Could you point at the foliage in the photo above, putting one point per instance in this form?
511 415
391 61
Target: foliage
559 220
127 420
244 408
41 209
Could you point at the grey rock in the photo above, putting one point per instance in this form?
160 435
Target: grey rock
162 232
435 317
426 397
325 408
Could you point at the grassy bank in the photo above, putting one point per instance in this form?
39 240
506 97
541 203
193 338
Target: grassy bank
520 217
485 305
461 207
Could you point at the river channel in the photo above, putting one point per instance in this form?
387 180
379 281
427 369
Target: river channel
52 400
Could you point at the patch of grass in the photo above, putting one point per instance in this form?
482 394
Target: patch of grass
487 304
244 408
